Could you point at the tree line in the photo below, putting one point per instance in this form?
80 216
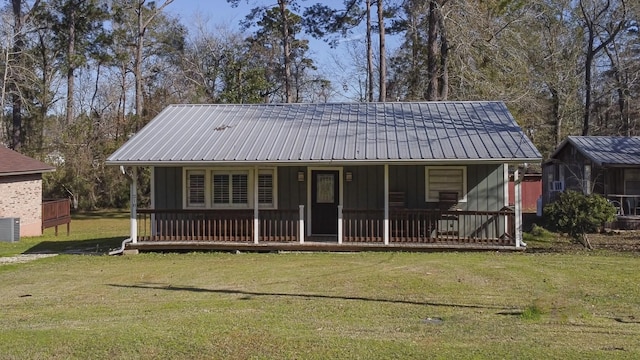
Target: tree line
79 77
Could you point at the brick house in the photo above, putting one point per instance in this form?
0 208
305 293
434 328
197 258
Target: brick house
21 190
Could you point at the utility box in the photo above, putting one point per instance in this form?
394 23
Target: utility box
9 229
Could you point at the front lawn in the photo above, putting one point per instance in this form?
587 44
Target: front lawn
538 304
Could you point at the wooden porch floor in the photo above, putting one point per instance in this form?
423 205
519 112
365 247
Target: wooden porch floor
323 245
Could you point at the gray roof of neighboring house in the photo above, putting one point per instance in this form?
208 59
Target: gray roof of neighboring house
606 150
323 133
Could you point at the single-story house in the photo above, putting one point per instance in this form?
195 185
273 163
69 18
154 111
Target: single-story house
328 176
606 165
21 190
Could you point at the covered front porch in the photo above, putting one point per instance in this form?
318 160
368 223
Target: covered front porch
341 223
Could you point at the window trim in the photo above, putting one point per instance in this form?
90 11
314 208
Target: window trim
274 187
462 198
187 187
229 173
208 193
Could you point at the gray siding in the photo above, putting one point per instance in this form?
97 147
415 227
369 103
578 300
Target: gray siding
409 179
366 190
485 189
291 192
167 183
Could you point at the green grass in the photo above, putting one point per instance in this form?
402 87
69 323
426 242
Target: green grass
528 305
91 232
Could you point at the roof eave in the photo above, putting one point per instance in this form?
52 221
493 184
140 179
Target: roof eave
320 162
28 172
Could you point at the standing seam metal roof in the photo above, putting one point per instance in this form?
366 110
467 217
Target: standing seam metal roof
394 131
606 150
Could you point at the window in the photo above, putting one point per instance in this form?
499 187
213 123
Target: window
229 188
265 188
632 181
445 178
196 188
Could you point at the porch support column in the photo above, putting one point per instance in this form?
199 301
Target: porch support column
133 199
518 206
339 224
301 224
256 220
386 204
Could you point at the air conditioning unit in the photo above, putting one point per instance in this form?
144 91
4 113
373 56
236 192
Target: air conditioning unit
10 229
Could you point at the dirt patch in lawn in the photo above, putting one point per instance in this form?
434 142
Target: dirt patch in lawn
22 258
622 241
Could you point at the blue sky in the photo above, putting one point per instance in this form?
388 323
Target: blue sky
334 64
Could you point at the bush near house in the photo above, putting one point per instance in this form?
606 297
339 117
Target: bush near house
578 214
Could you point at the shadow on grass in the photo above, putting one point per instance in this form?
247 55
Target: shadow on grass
90 215
248 294
86 247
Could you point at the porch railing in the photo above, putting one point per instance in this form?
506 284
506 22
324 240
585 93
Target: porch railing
430 226
216 225
410 226
55 213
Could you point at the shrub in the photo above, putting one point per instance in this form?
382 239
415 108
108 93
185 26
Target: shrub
577 214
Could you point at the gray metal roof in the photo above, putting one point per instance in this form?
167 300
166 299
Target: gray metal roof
348 132
606 150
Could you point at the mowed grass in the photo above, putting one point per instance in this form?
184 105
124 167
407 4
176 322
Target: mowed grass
530 305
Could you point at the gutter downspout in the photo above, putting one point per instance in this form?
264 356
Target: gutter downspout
134 223
121 250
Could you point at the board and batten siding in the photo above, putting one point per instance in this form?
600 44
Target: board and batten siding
291 192
366 189
168 187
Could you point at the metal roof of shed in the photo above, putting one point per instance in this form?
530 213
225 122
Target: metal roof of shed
606 150
346 132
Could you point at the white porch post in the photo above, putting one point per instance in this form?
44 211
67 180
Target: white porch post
133 199
256 220
386 204
301 224
505 171
518 207
339 224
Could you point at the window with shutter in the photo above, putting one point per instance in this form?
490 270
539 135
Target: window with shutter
229 188
265 188
220 189
445 179
239 188
196 188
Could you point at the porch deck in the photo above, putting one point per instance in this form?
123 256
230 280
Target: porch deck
359 230
313 246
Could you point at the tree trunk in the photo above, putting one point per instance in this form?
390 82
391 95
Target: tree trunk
286 44
70 64
137 71
591 24
369 55
383 63
557 120
587 87
584 239
16 98
432 51
443 80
